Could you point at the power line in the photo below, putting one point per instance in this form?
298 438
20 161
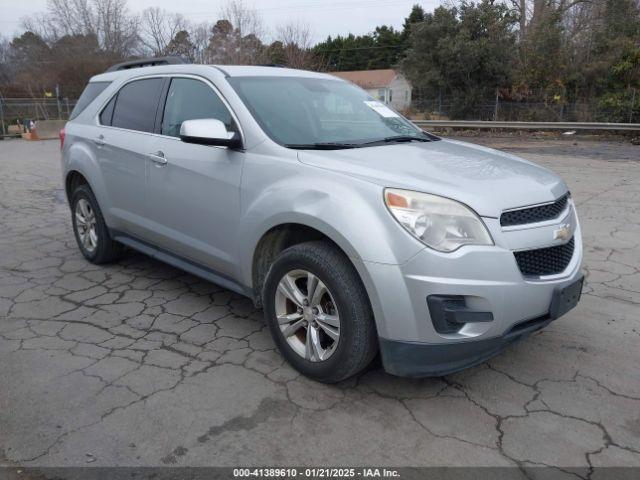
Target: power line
374 47
303 6
355 4
322 5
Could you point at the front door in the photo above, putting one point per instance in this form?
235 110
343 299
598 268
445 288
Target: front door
193 191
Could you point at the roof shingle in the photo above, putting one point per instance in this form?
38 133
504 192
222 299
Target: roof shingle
369 78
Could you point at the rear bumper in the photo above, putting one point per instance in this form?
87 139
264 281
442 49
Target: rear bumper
409 359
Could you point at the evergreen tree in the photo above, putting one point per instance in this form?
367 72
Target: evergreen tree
181 45
463 53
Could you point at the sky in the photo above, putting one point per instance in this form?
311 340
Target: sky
325 17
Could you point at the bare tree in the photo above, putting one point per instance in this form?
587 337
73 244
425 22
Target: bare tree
72 17
297 41
200 37
245 19
109 20
532 13
117 29
4 49
4 61
244 44
158 27
523 11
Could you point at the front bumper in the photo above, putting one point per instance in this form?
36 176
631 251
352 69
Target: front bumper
407 359
489 280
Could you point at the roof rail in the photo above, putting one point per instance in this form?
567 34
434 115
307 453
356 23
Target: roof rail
146 62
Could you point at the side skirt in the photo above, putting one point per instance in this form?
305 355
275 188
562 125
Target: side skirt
181 263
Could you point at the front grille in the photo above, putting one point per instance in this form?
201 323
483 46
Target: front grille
545 261
534 214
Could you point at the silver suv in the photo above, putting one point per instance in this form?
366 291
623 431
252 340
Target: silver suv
353 229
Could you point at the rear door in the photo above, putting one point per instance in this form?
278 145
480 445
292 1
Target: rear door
125 140
193 190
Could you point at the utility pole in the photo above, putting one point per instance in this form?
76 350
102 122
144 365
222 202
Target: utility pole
633 106
2 130
495 109
58 101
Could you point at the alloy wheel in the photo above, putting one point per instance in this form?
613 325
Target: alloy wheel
86 225
307 315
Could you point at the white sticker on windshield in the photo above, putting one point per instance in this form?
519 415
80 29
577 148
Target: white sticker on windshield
381 109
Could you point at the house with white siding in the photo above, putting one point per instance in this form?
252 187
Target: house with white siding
388 86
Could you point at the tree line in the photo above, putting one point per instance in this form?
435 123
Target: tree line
75 39
550 52
554 52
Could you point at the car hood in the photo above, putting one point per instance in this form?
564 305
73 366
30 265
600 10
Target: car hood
487 180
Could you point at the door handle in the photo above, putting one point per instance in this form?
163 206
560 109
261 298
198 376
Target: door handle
99 141
158 158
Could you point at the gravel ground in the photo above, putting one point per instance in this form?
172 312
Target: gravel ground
140 364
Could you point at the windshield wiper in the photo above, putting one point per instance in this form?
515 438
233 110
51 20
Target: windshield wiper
321 146
397 138
341 146
405 138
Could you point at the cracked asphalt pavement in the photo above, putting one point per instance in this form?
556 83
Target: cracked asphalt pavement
139 364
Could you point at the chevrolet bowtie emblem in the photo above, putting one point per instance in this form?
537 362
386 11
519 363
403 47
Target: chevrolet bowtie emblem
563 233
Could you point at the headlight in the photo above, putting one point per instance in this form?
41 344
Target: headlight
440 223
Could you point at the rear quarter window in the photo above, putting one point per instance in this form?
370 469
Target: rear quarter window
90 93
107 112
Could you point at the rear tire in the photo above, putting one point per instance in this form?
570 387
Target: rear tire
89 228
325 331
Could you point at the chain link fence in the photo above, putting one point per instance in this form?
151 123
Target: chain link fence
17 113
497 109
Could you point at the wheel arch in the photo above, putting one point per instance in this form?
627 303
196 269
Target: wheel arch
80 166
73 179
275 240
282 235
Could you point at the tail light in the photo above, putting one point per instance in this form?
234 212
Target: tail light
62 135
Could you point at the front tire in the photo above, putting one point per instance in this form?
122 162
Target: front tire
318 312
89 228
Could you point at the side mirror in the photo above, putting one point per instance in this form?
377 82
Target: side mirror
208 131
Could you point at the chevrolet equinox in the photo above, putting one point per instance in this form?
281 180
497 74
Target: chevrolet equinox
357 232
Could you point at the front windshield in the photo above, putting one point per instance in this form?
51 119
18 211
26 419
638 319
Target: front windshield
296 111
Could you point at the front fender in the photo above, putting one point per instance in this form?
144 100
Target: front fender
350 212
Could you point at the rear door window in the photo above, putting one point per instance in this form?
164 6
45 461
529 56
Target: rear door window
90 93
136 105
